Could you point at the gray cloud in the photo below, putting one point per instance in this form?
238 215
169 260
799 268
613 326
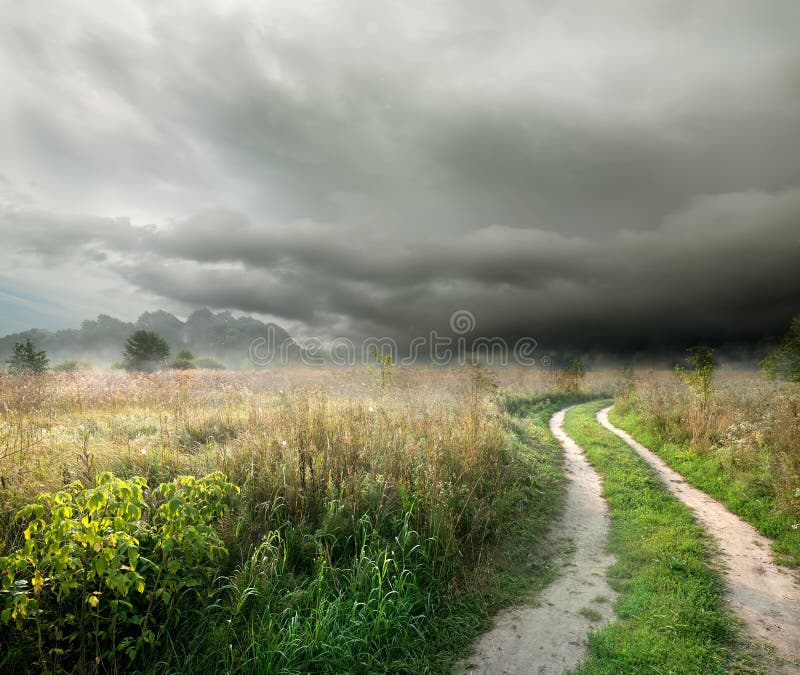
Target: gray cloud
725 266
623 174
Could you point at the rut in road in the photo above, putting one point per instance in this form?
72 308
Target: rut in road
551 637
764 595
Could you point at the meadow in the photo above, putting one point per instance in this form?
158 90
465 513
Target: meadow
315 520
331 520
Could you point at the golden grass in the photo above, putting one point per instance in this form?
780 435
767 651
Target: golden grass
292 435
752 426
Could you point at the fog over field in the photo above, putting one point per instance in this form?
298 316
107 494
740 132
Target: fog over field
608 176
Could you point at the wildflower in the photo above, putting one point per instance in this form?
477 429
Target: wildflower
371 409
795 526
143 451
283 443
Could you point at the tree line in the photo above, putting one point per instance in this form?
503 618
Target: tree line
145 351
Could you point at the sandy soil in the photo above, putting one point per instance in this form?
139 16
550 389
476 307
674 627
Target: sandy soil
765 595
551 636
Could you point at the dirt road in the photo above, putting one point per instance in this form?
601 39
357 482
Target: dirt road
551 636
765 595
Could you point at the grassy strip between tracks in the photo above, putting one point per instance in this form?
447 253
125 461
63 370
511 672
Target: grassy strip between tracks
671 617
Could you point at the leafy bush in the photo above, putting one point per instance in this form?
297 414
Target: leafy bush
101 568
571 378
783 362
70 365
699 376
625 388
208 362
184 360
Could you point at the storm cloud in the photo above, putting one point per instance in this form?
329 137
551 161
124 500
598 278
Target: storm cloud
615 175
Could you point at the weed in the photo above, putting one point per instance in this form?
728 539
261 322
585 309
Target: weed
590 614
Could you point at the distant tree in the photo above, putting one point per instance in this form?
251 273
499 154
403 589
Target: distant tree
145 350
184 360
698 377
27 359
783 362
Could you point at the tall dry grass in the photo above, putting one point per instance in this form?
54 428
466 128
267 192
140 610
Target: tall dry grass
300 438
293 439
359 501
750 426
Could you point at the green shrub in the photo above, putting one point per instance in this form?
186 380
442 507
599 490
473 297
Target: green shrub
699 377
101 569
783 362
70 365
571 378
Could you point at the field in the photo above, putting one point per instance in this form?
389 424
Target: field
346 521
742 447
359 511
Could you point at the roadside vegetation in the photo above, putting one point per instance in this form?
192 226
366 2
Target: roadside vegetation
738 440
199 521
670 616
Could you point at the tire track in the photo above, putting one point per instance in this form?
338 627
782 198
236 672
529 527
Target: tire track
551 637
764 595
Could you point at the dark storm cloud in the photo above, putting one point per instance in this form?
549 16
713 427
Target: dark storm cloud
610 174
725 266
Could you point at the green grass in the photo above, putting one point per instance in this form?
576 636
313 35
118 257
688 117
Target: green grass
747 495
370 535
669 609
395 607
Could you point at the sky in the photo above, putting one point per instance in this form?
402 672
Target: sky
604 175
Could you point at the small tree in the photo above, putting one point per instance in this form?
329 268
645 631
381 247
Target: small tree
783 362
145 350
626 386
382 367
571 378
698 377
184 360
27 359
